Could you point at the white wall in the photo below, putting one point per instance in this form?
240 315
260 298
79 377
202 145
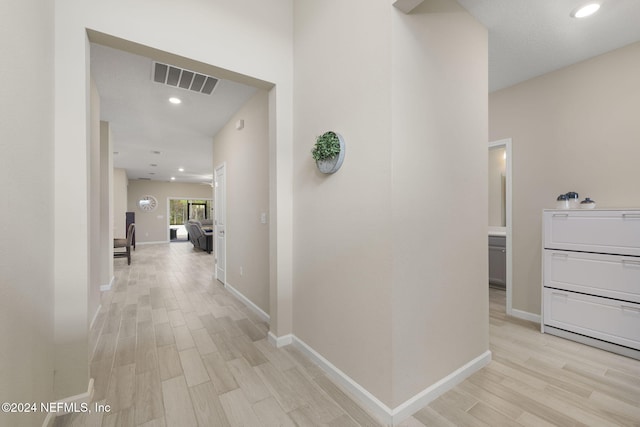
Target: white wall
377 289
71 226
575 129
245 153
154 226
96 255
439 194
342 239
27 189
257 43
106 205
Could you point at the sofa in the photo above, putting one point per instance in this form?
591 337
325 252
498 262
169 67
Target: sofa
199 237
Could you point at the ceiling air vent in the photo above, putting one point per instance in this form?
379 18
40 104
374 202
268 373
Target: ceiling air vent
185 79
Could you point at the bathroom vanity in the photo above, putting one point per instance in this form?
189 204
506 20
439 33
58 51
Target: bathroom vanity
498 259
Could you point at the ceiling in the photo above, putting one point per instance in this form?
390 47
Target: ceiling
146 129
527 38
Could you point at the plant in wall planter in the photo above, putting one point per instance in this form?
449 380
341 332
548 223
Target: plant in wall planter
329 152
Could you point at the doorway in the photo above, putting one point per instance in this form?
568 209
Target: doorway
182 210
279 141
500 215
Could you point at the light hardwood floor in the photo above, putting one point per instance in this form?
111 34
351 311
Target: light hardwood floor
173 348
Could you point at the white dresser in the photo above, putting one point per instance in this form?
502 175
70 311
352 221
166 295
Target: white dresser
591 277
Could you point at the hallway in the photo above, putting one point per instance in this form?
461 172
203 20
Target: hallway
174 348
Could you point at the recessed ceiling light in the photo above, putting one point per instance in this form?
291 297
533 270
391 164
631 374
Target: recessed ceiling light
586 10
180 169
175 100
173 178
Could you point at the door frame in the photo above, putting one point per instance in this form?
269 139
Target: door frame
169 210
216 212
506 143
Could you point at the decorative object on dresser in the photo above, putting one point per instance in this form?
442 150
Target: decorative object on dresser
591 277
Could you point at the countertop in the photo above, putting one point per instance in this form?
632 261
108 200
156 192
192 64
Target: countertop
498 231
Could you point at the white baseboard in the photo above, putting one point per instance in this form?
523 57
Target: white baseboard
376 407
368 400
525 315
72 401
279 341
429 394
152 243
257 310
107 287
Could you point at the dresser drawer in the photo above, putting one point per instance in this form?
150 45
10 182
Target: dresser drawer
606 231
609 320
610 276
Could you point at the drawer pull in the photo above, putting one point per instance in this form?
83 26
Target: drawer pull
631 215
563 215
560 254
628 307
631 262
560 294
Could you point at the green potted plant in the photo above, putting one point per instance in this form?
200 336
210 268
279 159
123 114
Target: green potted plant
328 152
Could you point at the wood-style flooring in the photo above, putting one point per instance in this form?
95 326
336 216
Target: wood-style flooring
171 347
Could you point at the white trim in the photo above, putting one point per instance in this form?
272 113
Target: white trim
507 143
77 399
525 315
257 310
107 287
216 212
368 400
279 341
376 407
95 316
429 394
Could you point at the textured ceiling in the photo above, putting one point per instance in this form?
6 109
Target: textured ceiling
528 38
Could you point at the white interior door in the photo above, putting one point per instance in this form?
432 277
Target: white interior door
220 222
